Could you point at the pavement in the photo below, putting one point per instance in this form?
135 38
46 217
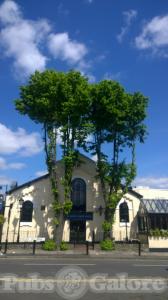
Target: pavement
82 253
83 277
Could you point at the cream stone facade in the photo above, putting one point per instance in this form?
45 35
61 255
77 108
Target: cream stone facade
124 230
37 193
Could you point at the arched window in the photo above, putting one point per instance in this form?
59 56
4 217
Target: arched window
27 211
78 194
124 212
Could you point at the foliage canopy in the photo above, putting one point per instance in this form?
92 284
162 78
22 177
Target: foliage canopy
88 116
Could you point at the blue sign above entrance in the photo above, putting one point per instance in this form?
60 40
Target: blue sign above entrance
80 216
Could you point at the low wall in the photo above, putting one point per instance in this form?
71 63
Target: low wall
158 244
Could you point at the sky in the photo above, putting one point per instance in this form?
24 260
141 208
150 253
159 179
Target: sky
123 40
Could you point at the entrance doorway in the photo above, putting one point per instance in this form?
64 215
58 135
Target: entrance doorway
78 231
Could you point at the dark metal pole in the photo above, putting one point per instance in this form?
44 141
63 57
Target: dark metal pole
3 210
6 247
93 239
126 232
139 248
9 214
18 237
87 247
34 247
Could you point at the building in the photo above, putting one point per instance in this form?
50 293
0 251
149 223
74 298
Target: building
29 214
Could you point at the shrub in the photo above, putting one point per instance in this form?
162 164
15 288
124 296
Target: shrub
106 226
159 233
49 245
64 246
155 232
164 233
107 245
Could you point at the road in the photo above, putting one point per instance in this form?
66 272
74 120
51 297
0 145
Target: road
83 278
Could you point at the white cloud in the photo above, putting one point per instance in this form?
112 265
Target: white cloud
129 16
91 77
19 141
112 76
62 47
6 166
41 173
154 35
5 180
21 38
16 166
10 12
2 163
152 182
83 66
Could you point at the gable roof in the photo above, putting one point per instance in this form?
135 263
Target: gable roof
87 158
134 193
28 183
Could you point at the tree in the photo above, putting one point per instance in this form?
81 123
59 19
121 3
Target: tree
73 108
58 101
40 100
72 117
115 118
65 102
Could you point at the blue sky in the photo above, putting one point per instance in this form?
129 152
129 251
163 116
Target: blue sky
124 40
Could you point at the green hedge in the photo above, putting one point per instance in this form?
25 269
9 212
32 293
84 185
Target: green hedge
158 233
64 246
107 245
49 245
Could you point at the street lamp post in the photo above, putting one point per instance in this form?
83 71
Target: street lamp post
9 214
20 215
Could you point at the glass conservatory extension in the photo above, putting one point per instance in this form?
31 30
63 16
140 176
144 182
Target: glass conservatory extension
153 214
